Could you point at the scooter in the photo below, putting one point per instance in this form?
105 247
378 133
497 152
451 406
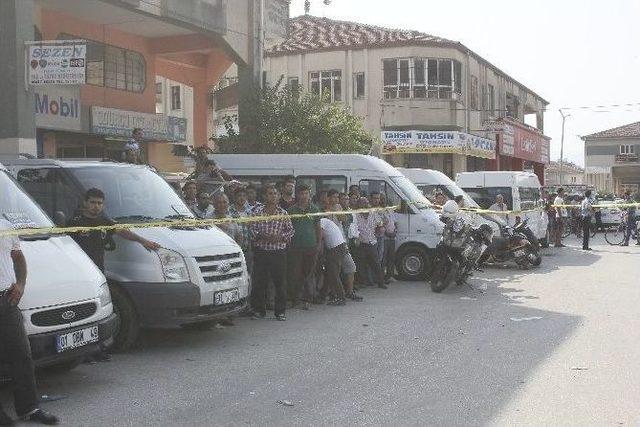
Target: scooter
522 227
458 252
512 245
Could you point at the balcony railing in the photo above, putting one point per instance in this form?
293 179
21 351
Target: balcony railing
226 97
626 158
209 15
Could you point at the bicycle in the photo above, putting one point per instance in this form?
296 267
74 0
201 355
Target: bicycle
574 226
615 236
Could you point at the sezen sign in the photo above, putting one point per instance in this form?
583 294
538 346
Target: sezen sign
57 63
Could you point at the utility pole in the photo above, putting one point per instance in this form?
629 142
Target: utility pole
564 118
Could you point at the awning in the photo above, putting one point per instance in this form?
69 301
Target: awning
437 142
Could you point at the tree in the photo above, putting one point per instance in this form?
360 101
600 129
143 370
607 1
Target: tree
284 119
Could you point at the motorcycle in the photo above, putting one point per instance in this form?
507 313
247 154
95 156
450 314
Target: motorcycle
513 245
523 228
458 252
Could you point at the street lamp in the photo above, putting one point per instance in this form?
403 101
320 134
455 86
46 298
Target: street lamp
564 118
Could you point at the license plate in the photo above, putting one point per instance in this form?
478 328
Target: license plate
77 339
519 253
226 297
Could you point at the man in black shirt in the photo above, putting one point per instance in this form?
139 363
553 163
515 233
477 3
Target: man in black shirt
93 242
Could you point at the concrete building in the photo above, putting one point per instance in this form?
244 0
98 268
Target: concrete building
572 174
611 159
134 49
433 102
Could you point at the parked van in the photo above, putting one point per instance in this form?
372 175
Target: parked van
66 305
419 228
431 181
198 275
521 192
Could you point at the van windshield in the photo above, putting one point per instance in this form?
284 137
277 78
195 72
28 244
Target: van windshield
17 207
486 196
133 193
411 192
451 191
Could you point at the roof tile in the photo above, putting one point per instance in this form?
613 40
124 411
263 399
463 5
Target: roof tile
626 131
310 33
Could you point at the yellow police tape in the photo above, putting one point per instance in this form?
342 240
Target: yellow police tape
182 223
251 219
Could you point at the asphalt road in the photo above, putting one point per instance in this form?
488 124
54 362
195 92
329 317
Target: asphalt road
558 345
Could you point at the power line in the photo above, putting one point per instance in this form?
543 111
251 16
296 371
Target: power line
589 107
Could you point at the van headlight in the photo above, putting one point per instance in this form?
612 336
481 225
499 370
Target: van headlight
174 268
104 295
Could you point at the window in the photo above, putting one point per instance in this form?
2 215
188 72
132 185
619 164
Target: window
373 186
358 85
474 93
492 99
293 82
627 149
512 103
486 196
176 102
158 92
113 67
421 78
529 197
323 183
327 84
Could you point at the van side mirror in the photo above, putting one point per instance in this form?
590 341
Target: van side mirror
59 219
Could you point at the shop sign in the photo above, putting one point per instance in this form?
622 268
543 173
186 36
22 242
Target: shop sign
522 142
53 63
120 123
437 142
58 107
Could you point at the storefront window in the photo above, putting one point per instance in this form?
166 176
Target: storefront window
113 67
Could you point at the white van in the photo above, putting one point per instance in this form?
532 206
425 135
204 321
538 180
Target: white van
419 227
521 192
197 276
431 181
66 306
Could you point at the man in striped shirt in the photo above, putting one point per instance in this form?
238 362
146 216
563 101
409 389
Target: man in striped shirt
271 238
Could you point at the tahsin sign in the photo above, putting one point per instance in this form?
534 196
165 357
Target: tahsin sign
437 142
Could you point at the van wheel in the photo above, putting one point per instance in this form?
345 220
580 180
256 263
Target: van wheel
127 326
412 263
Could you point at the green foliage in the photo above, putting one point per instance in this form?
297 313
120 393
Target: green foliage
284 119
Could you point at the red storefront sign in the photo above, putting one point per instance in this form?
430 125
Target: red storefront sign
522 142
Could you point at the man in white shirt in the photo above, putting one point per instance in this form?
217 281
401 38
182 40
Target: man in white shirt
335 251
561 217
14 343
369 226
500 206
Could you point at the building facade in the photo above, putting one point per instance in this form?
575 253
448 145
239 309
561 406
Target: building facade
612 162
571 173
149 64
433 102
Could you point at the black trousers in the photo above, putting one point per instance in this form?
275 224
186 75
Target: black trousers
16 352
369 260
269 265
334 258
586 231
389 257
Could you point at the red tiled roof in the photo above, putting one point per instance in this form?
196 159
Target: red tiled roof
311 33
626 131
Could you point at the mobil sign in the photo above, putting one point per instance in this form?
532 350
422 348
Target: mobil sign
58 107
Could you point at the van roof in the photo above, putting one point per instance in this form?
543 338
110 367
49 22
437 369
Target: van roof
67 164
325 162
421 176
497 178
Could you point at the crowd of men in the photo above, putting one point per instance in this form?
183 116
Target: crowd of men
294 255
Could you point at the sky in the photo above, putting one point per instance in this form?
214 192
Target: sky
573 53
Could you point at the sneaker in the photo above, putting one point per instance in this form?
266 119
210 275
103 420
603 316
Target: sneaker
258 316
337 301
281 317
42 417
354 297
